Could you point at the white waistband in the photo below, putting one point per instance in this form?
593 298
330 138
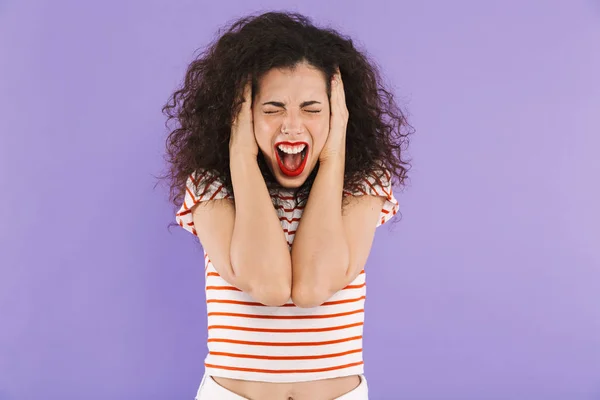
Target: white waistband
209 390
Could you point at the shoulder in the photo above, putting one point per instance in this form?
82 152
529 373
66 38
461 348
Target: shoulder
200 187
377 183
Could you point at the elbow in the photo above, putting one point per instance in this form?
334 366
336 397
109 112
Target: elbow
268 283
274 294
308 296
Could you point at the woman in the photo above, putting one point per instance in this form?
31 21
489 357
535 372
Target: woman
282 165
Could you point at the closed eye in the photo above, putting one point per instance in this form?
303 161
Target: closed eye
313 111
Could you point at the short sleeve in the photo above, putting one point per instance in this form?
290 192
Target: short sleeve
378 184
199 187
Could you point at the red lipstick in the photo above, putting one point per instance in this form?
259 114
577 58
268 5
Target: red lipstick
304 155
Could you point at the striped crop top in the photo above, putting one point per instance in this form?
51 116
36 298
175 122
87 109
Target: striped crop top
250 341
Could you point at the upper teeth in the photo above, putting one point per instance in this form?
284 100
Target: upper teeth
291 149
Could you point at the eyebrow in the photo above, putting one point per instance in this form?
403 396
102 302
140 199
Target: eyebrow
302 105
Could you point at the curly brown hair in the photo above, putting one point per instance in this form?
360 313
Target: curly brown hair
211 94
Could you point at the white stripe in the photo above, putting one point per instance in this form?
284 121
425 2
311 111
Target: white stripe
261 323
284 364
229 295
286 350
347 294
286 311
285 337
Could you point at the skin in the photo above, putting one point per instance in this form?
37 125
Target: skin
332 242
294 101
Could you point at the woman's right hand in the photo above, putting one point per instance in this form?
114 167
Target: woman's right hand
242 139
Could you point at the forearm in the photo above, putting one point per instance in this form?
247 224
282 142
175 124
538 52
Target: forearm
320 253
259 253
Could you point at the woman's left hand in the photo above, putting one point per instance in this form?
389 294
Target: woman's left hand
335 146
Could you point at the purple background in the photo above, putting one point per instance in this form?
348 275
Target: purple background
489 287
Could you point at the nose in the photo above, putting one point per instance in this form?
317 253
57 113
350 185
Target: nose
292 124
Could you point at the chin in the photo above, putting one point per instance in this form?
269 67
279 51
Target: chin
286 181
289 182
291 177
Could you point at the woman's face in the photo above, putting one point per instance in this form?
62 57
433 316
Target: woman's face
291 121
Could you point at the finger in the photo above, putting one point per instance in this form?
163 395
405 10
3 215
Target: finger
333 98
338 98
248 94
245 111
341 91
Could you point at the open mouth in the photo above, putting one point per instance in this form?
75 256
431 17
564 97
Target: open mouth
291 157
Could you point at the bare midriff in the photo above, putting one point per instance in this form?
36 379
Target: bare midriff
323 389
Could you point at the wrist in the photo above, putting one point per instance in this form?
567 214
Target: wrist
332 159
331 173
241 154
243 149
244 167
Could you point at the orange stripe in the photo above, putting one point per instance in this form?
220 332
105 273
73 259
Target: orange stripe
207 187
289 209
284 371
184 212
284 358
307 330
371 186
356 286
362 191
382 186
289 220
284 344
195 201
223 288
191 195
213 274
283 197
331 303
227 314
216 192
196 181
